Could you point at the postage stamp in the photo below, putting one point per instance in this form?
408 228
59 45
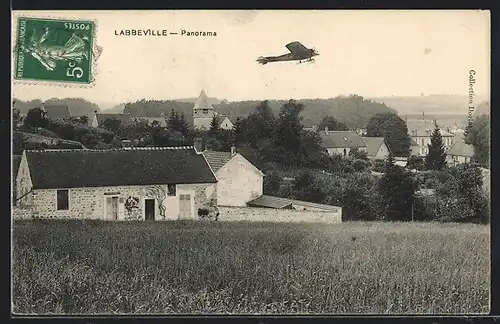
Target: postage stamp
54 50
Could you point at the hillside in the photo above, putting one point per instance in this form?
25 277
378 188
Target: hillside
76 106
430 104
355 111
482 109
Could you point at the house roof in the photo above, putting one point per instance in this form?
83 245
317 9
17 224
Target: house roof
339 139
460 148
124 118
16 160
150 120
217 159
202 102
120 167
373 144
279 203
56 111
423 127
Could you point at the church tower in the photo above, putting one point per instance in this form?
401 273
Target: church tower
203 112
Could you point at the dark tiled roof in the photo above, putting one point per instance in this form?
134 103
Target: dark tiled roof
373 144
280 203
217 159
124 118
460 148
57 111
16 160
339 139
123 167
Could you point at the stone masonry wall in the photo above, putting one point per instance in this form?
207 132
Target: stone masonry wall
254 214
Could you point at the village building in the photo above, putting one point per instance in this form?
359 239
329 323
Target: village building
376 148
56 111
203 112
239 181
98 119
226 123
459 152
122 184
420 130
341 142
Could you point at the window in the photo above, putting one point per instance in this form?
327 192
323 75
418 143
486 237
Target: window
205 111
171 189
423 142
345 152
62 199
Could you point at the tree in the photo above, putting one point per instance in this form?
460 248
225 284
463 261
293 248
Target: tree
173 121
306 187
84 119
356 153
288 131
332 124
183 125
16 118
112 124
238 131
436 158
397 189
478 135
260 124
214 126
36 118
272 183
416 162
393 129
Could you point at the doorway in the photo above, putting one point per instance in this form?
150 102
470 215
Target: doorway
111 208
185 207
149 209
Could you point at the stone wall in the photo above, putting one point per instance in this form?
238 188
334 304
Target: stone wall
89 203
21 213
254 214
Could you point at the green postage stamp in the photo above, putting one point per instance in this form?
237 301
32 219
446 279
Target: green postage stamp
55 50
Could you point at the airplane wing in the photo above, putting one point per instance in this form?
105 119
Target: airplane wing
297 48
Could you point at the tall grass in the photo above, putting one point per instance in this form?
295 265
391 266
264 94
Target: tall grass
217 267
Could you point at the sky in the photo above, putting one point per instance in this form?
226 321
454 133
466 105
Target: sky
369 53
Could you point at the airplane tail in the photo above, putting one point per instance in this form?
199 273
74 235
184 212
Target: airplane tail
262 60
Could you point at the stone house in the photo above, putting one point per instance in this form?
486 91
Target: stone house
239 181
98 119
341 142
459 152
376 148
122 184
420 130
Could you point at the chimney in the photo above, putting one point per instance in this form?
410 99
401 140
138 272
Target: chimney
233 151
326 130
126 144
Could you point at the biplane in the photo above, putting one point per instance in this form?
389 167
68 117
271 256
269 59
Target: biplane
298 52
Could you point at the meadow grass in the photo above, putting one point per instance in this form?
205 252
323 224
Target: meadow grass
248 268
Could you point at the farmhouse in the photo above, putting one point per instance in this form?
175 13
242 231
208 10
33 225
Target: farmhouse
239 181
341 142
121 184
459 152
376 148
98 119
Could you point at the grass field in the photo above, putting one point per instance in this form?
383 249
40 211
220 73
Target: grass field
216 267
